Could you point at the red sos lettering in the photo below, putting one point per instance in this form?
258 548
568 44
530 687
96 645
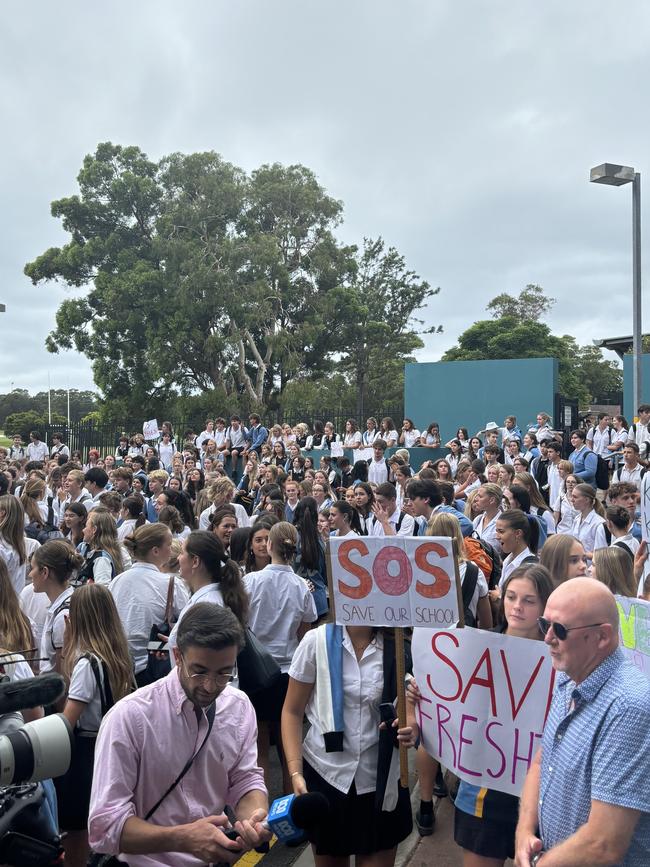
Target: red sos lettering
391 585
442 583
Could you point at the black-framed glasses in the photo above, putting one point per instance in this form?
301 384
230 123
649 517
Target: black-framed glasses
559 630
205 679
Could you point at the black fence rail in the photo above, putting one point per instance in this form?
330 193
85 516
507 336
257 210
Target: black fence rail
83 436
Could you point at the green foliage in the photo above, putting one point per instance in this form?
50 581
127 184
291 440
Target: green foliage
19 400
583 372
204 280
25 422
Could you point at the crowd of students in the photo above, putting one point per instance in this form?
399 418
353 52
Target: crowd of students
97 551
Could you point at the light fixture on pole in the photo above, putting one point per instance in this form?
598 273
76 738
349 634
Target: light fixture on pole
615 176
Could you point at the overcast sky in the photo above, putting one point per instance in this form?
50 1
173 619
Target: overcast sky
463 132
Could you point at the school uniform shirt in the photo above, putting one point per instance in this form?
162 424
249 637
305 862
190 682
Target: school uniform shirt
52 638
633 476
209 593
140 595
137 450
243 518
432 440
554 483
406 527
391 438
17 453
411 438
280 601
204 435
38 451
166 452
352 440
487 532
17 570
378 471
510 564
547 518
567 514
363 683
34 606
640 434
60 451
59 506
369 436
600 439
236 437
585 530
126 528
83 687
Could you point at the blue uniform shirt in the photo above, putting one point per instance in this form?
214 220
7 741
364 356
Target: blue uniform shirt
597 751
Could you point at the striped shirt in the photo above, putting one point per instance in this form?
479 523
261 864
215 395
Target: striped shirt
594 748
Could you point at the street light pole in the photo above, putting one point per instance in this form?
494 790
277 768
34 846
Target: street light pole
636 284
615 176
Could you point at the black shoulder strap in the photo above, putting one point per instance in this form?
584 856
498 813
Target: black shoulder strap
210 715
103 682
625 548
469 582
64 606
608 535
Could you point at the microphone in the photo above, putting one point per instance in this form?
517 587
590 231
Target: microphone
36 691
290 816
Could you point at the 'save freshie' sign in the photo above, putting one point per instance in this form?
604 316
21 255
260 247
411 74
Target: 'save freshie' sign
485 698
394 581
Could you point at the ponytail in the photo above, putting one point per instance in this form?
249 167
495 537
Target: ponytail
528 524
283 537
222 570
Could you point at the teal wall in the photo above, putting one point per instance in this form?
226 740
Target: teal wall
629 410
471 393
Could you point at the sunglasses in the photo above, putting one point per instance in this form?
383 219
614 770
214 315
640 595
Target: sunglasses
560 631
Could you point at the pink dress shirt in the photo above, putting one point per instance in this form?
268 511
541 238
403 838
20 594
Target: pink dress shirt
144 743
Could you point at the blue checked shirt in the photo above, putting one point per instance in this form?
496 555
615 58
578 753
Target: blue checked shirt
598 751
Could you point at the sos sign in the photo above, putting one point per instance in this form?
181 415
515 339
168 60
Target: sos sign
394 580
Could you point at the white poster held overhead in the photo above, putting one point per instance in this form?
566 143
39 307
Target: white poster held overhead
150 429
485 699
394 581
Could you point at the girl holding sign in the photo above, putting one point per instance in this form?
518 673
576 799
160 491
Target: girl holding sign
485 820
339 676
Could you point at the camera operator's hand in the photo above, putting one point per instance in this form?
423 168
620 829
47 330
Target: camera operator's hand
206 841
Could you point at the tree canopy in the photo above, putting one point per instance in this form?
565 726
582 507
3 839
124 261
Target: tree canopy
516 332
194 276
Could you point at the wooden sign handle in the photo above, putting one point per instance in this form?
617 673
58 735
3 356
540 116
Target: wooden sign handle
401 703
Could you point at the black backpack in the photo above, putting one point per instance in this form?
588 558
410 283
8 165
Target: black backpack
468 588
602 473
44 532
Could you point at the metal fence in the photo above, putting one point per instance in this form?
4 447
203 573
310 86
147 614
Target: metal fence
82 436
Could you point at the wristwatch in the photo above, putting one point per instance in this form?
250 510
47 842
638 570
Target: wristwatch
535 859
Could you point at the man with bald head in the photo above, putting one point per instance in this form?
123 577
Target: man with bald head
586 799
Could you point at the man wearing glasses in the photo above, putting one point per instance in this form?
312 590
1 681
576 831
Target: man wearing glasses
171 756
586 799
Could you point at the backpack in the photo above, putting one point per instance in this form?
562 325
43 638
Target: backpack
486 557
602 473
43 532
468 587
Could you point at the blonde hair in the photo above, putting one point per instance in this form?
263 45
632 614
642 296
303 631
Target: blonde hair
221 490
444 524
142 540
33 490
77 475
555 555
615 569
95 627
587 491
12 525
105 538
158 476
283 538
15 628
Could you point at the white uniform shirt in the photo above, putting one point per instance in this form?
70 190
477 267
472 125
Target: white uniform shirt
38 451
567 514
488 532
363 683
52 638
140 595
406 527
585 530
554 483
510 564
34 606
601 439
411 438
480 590
17 570
631 476
351 440
378 471
243 518
280 601
209 593
83 687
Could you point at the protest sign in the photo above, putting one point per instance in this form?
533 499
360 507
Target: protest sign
336 450
485 698
393 581
634 626
150 429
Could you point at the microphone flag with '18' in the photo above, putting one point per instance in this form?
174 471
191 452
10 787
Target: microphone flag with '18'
292 815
